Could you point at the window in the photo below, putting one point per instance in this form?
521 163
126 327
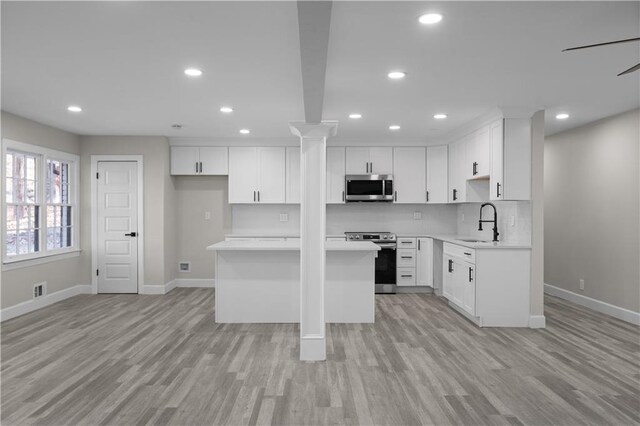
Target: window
40 188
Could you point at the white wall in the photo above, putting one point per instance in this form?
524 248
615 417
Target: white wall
17 284
591 216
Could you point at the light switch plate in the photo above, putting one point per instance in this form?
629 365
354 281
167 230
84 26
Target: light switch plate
417 216
284 217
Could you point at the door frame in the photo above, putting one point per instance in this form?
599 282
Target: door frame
95 159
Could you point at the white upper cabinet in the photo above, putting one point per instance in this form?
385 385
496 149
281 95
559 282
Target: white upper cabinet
256 175
335 174
478 158
510 177
293 175
204 160
437 174
409 175
457 174
369 160
496 181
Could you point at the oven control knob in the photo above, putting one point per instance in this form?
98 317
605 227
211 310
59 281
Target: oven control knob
385 237
357 237
351 237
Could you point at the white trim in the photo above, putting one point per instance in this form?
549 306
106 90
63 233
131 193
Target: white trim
195 282
313 348
537 321
41 302
597 305
43 154
10 266
94 211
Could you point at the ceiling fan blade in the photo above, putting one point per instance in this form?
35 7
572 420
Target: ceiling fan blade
602 44
630 70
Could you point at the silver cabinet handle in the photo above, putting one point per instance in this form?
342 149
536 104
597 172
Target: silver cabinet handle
427 196
343 196
196 167
258 196
254 196
406 257
406 276
201 167
395 195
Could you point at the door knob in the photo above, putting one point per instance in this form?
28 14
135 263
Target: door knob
132 234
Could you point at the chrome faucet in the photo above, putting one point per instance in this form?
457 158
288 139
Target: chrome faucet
495 221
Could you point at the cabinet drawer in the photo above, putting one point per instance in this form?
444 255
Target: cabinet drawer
406 258
406 243
460 252
336 238
406 276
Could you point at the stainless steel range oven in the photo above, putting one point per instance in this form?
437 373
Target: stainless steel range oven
386 260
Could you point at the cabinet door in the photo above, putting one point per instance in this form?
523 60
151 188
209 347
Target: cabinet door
293 175
271 175
410 176
424 262
335 175
457 177
469 290
381 160
459 282
496 174
447 277
437 174
357 162
482 152
214 160
184 160
243 175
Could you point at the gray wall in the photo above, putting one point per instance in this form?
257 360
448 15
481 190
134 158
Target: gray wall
17 284
591 215
159 227
195 196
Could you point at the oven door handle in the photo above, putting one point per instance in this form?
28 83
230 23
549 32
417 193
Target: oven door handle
387 246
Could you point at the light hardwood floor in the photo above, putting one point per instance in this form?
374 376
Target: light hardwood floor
128 359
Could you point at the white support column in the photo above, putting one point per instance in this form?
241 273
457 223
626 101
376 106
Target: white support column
313 166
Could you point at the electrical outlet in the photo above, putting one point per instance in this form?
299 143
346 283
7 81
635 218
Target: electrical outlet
284 217
207 215
417 216
581 284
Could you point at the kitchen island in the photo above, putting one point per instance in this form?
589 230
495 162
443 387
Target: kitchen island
259 281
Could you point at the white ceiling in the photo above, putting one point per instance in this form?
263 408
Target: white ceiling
123 63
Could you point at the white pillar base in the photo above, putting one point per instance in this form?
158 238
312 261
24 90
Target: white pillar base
313 348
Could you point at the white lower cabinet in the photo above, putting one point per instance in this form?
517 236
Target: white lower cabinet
414 262
490 285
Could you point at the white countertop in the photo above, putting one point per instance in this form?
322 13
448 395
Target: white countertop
292 245
266 235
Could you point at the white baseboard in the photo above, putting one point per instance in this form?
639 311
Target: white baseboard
597 305
537 321
195 282
41 302
178 282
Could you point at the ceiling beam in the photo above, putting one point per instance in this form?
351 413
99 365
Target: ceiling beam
314 21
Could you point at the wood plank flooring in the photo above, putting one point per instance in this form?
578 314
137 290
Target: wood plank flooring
135 360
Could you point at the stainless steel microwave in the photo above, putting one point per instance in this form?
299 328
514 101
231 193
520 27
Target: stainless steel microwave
369 188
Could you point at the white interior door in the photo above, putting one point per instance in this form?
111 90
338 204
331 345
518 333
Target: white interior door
117 227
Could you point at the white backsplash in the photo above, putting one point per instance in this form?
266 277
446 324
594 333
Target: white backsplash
518 231
265 219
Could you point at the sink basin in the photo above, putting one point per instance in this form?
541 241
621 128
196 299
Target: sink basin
470 240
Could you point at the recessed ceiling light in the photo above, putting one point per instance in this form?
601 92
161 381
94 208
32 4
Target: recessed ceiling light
562 116
440 116
74 108
430 18
193 72
245 131
226 109
396 75
355 116
394 127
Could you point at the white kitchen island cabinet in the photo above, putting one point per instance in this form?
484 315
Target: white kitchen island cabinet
259 282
